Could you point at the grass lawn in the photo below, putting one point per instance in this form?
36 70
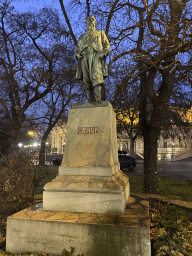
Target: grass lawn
45 174
173 188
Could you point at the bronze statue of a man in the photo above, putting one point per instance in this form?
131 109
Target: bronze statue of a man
92 50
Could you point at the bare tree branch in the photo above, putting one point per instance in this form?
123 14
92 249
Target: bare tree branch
68 22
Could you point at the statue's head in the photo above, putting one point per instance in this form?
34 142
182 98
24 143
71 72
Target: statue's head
90 21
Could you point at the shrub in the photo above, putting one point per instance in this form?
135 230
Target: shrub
67 253
17 174
172 232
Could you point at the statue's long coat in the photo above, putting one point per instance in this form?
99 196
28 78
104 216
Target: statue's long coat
100 43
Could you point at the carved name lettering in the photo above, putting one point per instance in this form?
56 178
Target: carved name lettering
87 130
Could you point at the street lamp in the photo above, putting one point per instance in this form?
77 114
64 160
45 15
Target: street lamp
31 133
20 145
172 148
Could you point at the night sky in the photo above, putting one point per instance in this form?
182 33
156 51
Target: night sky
30 5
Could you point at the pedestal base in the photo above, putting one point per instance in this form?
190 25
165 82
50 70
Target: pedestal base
34 230
89 177
89 194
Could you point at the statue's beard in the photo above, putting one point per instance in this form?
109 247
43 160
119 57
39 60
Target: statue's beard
91 27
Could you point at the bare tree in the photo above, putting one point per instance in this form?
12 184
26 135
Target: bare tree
126 104
56 106
31 50
159 61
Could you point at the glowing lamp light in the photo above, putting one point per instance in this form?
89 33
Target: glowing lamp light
20 145
31 133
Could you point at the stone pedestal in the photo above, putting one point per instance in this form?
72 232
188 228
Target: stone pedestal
89 179
92 234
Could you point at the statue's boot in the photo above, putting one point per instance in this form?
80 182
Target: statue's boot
100 92
90 95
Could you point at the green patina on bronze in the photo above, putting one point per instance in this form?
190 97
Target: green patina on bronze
92 50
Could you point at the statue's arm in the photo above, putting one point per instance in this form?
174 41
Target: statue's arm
105 43
78 54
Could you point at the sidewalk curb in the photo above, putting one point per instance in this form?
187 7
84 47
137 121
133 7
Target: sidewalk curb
186 206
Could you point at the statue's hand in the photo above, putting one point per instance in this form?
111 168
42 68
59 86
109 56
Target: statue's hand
101 55
79 57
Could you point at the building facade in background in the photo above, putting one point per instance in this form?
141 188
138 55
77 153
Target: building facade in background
57 138
168 147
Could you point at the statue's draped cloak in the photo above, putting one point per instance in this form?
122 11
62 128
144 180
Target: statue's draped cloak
99 42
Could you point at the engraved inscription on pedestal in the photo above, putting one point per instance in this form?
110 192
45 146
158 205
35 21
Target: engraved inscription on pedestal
87 130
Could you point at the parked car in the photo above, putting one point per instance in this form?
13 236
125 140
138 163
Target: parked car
57 161
122 152
127 162
124 160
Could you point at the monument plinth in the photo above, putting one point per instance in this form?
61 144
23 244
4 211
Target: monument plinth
84 207
92 234
89 177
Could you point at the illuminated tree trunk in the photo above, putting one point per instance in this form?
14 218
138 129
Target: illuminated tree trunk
150 164
42 153
132 143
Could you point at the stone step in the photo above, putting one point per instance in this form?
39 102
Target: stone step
34 230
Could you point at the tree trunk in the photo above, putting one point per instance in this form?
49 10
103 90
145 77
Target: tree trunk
42 153
132 142
13 136
150 184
